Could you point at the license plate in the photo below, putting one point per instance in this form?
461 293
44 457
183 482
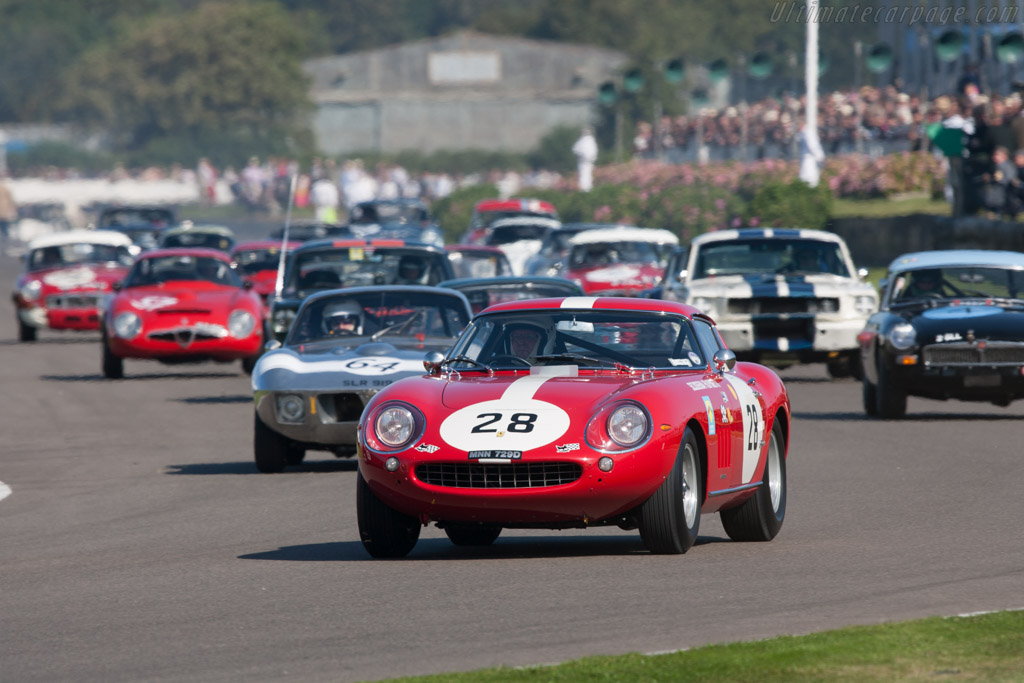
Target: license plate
504 456
982 380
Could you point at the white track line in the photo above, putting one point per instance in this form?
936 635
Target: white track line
5 490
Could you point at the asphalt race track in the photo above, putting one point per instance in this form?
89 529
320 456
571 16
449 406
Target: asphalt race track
139 543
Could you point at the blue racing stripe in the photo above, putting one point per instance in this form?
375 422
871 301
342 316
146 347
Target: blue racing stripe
799 286
760 287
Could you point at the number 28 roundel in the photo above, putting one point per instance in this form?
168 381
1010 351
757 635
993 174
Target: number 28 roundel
516 421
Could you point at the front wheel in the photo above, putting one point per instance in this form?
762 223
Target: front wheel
670 519
891 400
271 450
760 517
385 532
869 397
249 362
26 333
472 535
113 366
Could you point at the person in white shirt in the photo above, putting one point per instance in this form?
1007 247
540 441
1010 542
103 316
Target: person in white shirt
585 150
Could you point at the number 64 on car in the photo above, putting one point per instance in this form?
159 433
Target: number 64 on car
571 413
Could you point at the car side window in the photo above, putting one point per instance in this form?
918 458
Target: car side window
706 336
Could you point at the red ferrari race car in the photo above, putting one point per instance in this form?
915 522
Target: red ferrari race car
67 276
257 262
619 261
182 306
571 413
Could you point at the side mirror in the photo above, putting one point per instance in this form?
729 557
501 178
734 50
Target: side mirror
117 286
862 273
432 363
272 345
724 359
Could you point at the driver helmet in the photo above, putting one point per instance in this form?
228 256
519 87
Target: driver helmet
527 340
343 319
927 280
411 269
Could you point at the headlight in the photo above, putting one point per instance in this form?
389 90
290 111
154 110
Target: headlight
127 325
705 304
864 305
31 290
627 425
241 324
290 408
283 318
903 337
394 426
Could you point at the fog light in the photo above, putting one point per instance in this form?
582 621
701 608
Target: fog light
391 464
605 464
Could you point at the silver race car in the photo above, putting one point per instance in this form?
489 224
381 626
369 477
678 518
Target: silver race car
344 347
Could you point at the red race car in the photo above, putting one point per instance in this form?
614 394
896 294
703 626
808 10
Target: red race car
619 261
257 262
571 413
67 277
182 306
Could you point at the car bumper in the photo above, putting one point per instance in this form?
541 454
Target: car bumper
223 349
795 336
964 383
329 418
591 497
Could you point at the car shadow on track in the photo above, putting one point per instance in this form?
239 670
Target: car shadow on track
442 549
205 400
132 378
910 418
250 468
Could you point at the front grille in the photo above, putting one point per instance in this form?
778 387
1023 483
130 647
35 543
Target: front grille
60 301
346 407
185 336
783 304
982 353
524 475
183 311
798 328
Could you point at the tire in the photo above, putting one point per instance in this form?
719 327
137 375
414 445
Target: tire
271 450
386 533
26 333
839 368
248 363
113 366
869 396
472 535
760 517
891 400
294 455
670 519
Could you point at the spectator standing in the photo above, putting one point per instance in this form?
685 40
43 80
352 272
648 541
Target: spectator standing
207 177
585 149
324 197
8 211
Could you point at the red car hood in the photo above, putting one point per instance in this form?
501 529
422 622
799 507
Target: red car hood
186 297
580 392
619 275
263 281
84 278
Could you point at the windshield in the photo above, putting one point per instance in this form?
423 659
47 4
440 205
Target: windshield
255 260
479 264
208 240
957 282
118 218
507 234
770 256
484 295
519 339
77 254
356 266
157 270
388 213
391 315
610 253
486 218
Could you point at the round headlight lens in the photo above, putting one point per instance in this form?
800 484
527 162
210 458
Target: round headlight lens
902 336
290 408
627 425
241 324
127 325
31 290
864 305
394 426
283 318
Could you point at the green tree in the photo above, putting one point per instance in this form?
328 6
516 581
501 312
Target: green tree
225 71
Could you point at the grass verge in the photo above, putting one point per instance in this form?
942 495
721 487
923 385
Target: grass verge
986 647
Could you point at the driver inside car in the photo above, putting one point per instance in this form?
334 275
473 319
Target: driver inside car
923 283
343 320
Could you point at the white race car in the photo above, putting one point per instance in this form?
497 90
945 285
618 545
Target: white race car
779 295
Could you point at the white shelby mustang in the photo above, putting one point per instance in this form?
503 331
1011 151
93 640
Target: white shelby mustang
520 237
783 295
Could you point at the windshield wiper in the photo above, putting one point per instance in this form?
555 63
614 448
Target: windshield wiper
578 359
467 359
396 328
